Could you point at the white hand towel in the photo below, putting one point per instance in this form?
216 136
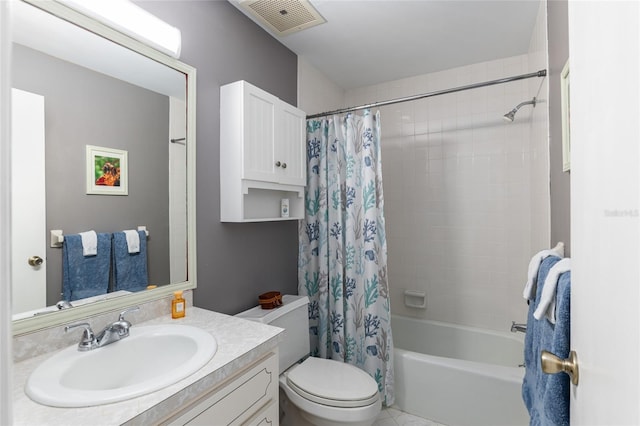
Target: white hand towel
89 243
547 304
133 240
529 292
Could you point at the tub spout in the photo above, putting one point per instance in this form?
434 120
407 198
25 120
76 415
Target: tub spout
518 327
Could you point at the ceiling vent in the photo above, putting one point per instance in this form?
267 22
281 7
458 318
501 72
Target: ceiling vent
283 17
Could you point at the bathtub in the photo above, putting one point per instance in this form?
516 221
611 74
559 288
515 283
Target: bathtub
458 375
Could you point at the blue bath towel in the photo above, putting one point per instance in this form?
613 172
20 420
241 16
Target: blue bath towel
82 276
129 269
546 396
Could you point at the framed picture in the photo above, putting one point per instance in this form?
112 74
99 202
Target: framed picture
566 133
107 171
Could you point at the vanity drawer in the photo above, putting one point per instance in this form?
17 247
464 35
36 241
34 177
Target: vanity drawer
268 416
249 393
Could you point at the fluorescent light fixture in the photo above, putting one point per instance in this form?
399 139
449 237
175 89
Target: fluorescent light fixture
133 21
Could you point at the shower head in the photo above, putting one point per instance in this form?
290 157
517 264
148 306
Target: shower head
511 115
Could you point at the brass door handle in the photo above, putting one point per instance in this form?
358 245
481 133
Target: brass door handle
35 261
552 364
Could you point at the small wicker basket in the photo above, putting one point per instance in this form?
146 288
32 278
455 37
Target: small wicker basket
270 300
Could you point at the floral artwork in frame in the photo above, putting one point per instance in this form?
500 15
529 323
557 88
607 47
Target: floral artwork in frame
566 133
107 171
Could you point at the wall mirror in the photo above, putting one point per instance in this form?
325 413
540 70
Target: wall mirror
96 87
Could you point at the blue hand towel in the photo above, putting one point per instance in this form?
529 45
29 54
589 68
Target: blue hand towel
82 276
556 393
129 269
546 396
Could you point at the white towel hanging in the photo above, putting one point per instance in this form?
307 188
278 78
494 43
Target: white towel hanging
133 240
89 243
529 292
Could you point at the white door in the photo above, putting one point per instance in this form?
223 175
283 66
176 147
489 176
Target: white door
604 47
28 219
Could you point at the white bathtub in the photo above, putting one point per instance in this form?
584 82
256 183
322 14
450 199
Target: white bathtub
458 375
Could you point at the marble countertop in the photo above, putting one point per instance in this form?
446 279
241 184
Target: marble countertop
240 342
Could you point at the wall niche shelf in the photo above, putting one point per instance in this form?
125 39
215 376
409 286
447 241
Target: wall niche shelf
262 155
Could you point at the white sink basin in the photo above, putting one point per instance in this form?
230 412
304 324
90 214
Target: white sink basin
150 359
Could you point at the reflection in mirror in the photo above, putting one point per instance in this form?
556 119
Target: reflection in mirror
84 90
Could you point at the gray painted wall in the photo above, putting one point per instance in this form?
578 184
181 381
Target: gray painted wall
236 262
83 107
558 33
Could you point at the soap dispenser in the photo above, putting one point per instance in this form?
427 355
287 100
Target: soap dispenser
178 305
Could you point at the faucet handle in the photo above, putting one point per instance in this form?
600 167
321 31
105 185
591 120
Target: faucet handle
122 325
88 340
131 309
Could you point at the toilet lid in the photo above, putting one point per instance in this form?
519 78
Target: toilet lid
333 383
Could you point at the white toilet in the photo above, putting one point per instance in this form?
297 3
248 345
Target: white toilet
317 391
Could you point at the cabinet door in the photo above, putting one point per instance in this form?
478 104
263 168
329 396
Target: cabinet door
249 399
290 151
258 142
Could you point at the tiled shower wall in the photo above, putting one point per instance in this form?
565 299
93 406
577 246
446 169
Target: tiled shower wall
466 194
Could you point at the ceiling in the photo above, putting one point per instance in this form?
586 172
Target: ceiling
367 42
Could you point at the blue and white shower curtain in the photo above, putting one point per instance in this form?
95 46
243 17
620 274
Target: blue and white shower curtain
342 263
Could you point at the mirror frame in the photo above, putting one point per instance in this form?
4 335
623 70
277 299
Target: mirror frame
27 325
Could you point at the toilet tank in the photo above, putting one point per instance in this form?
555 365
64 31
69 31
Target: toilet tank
293 316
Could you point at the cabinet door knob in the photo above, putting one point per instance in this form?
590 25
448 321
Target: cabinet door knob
277 164
284 165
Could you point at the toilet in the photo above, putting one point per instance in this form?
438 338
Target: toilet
315 391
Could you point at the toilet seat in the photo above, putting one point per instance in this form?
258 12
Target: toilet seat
332 383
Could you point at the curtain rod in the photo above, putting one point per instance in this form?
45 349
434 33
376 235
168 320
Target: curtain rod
541 73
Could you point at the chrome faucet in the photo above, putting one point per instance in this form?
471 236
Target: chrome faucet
518 327
64 304
112 333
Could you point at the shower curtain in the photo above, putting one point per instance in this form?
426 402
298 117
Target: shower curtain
342 263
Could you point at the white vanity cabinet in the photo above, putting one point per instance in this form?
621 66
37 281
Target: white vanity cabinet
249 397
262 155
239 385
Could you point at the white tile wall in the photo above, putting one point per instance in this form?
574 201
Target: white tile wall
466 194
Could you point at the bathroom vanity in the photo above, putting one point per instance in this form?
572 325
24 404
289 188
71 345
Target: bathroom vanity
239 385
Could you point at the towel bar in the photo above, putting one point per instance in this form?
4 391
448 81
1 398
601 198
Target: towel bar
57 236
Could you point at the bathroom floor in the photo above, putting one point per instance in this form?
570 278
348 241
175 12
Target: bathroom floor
394 417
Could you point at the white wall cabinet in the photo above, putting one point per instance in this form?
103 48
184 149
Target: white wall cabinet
249 398
262 155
